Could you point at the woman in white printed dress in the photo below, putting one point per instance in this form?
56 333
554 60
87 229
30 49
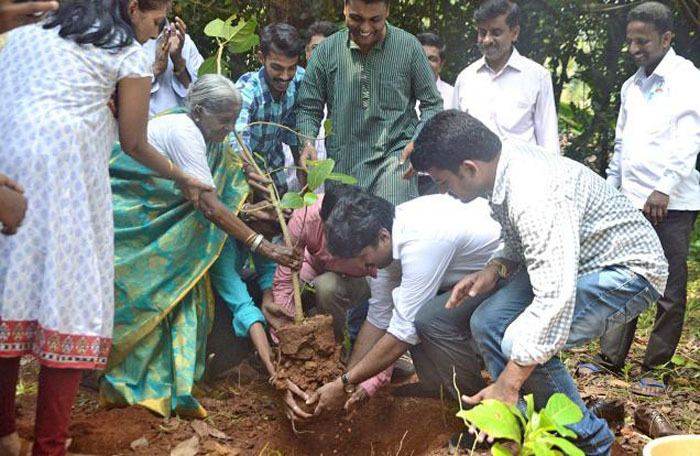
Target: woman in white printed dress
56 131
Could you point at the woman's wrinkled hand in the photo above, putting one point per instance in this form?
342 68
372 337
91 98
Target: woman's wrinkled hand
192 188
286 256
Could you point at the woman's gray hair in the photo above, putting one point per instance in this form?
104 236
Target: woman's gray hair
215 94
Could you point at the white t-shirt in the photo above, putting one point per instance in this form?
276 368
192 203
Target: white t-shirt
437 240
177 137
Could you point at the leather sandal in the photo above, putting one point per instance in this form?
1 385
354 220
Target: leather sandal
650 385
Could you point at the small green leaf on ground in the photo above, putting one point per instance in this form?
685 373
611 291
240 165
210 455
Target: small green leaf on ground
493 418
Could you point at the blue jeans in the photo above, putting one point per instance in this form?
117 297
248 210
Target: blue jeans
604 300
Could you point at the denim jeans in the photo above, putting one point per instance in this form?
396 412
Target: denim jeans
605 300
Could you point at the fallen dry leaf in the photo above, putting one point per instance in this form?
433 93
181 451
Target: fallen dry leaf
218 434
201 428
214 448
189 447
139 443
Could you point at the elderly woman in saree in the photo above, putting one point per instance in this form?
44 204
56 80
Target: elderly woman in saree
168 255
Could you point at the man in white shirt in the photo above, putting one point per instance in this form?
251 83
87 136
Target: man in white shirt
422 248
510 94
657 140
176 63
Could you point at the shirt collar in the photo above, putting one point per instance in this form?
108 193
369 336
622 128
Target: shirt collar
499 183
515 61
379 46
265 89
662 69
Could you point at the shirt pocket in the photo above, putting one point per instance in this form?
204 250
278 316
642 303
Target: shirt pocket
516 112
393 94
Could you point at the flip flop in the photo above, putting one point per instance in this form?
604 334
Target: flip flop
588 370
649 386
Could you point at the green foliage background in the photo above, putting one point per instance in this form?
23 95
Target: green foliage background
581 42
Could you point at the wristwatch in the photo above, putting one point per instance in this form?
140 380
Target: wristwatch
347 386
500 268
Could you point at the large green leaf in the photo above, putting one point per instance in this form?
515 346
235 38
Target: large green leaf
292 200
562 410
530 401
209 67
319 173
567 447
542 449
494 418
342 178
499 450
244 37
219 29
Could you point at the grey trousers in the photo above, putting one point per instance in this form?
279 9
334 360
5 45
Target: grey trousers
674 234
333 295
446 343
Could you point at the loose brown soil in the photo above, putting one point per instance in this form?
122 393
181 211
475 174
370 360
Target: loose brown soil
309 355
254 424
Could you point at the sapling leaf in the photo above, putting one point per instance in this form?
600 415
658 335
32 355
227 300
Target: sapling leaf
530 401
292 200
562 410
493 418
342 178
516 411
310 199
542 449
319 173
327 128
218 28
499 450
244 37
567 447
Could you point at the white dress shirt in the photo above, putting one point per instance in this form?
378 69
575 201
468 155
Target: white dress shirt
657 138
446 92
167 91
516 102
437 240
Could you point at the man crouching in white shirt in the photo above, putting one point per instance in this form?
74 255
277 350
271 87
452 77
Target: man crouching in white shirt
422 248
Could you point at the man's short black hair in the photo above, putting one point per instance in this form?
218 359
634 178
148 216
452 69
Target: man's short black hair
653 13
323 28
334 192
449 138
282 39
355 223
490 9
431 39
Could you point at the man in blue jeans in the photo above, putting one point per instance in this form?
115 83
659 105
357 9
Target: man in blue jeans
577 260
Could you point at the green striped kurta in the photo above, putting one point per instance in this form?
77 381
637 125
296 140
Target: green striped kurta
371 102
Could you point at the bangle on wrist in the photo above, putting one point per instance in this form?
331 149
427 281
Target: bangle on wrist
255 245
250 238
170 170
501 268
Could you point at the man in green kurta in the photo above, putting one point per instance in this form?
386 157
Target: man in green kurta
369 76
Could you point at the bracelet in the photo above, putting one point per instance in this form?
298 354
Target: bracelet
170 171
256 243
250 238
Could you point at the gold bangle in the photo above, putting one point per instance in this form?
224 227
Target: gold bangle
250 238
170 171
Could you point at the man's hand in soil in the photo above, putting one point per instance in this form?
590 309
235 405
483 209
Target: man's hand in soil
358 398
291 408
330 398
656 207
17 14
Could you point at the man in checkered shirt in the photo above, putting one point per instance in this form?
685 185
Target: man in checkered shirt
577 259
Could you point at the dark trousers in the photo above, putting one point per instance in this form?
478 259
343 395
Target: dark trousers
674 234
446 343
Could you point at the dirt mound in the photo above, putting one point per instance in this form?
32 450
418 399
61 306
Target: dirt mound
309 355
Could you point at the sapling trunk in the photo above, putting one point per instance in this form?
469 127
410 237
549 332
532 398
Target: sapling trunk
299 310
